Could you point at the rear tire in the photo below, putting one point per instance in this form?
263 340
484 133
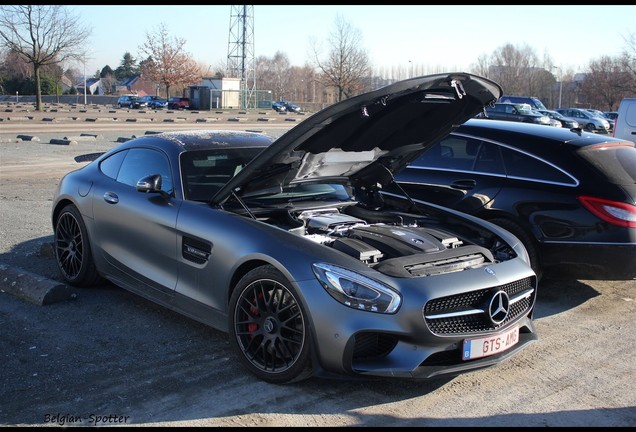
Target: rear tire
73 250
268 327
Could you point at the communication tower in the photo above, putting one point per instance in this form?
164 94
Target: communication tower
240 54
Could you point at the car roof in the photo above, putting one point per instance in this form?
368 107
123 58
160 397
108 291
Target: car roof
177 142
538 133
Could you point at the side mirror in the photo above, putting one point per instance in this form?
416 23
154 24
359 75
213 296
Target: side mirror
151 184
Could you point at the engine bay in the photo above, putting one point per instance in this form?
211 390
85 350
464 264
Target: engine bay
395 244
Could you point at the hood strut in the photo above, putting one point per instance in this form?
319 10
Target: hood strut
413 203
249 212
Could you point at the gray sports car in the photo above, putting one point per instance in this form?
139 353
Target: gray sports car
289 246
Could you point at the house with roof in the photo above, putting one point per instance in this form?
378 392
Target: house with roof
93 85
138 85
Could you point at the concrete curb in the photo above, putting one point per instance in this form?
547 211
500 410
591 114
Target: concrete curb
32 287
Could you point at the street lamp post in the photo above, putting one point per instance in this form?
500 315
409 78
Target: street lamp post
84 81
411 69
560 83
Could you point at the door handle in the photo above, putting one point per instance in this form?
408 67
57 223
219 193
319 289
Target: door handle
111 198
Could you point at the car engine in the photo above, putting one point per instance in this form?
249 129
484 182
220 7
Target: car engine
397 249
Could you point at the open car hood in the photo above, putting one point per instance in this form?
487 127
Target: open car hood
367 137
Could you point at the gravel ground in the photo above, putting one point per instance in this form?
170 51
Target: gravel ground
108 357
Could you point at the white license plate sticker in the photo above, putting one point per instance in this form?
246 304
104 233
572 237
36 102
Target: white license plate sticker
487 346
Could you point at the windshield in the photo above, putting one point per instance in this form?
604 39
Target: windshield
204 172
537 104
524 109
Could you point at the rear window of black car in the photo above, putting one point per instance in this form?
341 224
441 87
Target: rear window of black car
473 155
523 166
617 162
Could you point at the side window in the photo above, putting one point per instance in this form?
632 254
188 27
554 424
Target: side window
452 153
144 162
524 166
489 159
110 166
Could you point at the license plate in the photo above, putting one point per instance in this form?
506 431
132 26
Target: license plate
487 346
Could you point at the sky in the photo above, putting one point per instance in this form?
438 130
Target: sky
420 39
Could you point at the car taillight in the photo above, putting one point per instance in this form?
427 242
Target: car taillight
614 212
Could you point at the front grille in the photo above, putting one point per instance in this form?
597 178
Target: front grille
467 313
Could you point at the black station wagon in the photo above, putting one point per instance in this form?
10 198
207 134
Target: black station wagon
568 195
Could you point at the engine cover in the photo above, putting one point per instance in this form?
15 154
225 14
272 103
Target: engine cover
396 241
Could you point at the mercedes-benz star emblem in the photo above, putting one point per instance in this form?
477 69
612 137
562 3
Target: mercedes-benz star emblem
499 307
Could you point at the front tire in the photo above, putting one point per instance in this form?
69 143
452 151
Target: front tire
73 250
268 328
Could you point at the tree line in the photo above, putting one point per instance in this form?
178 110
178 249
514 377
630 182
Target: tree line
39 44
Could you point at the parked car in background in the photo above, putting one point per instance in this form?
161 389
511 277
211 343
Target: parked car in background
154 102
279 106
568 195
601 114
535 103
586 119
553 122
179 103
625 123
290 107
610 115
284 106
518 112
128 101
284 245
566 122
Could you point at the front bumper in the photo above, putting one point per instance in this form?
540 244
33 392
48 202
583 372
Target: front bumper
409 344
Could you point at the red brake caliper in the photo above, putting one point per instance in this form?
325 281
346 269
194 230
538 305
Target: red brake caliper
252 327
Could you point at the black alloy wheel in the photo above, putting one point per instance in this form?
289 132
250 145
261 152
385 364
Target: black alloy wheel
72 249
268 327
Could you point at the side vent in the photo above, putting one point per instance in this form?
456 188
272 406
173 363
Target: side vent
195 250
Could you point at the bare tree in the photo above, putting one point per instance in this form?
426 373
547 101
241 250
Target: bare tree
107 76
347 65
273 74
42 35
519 71
482 67
628 63
603 85
167 62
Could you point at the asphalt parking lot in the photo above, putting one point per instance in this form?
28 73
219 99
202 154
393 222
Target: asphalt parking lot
107 357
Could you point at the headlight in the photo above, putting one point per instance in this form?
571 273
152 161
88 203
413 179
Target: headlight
357 291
